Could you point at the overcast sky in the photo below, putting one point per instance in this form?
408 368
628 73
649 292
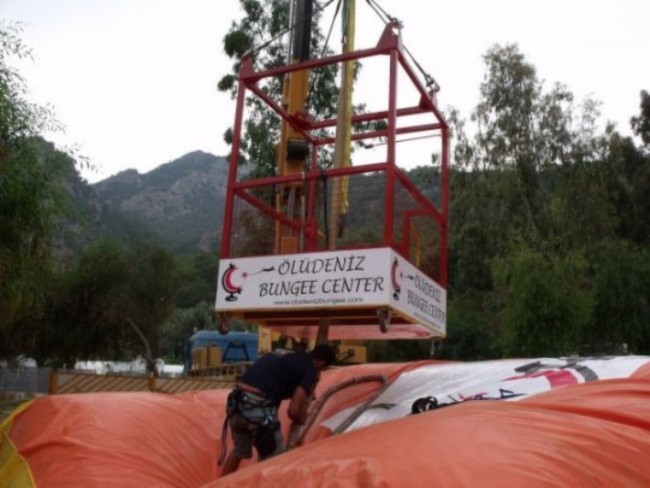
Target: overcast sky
134 81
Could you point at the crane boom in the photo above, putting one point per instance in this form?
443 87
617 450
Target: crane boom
339 206
294 149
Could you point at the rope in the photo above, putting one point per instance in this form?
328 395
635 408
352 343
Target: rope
383 15
362 408
433 84
325 44
388 19
253 50
224 435
408 139
329 33
313 413
323 175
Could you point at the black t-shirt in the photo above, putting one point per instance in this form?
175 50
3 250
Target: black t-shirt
277 376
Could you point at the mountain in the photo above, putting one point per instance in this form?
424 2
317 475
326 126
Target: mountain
180 203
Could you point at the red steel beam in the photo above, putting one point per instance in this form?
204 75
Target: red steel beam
359 136
252 76
390 150
421 199
444 192
267 209
232 173
425 95
370 116
311 175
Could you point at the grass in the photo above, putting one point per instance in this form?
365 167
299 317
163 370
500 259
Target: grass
7 406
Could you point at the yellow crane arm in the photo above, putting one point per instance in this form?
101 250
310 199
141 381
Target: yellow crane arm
339 200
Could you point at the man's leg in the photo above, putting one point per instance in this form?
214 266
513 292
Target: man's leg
242 437
277 444
231 464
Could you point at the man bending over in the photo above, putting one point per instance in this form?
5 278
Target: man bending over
252 409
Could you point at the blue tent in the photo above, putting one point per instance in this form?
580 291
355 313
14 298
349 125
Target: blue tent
235 347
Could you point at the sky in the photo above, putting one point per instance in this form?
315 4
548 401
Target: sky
134 81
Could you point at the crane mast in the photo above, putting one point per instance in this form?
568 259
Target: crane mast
293 148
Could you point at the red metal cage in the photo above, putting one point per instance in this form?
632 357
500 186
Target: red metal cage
394 213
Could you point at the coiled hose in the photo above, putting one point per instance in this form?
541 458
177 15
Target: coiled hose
297 436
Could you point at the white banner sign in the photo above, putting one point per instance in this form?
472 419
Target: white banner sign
442 385
304 280
361 278
416 295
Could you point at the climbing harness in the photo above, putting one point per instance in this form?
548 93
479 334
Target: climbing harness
256 411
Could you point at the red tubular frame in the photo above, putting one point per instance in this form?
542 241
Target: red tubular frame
389 45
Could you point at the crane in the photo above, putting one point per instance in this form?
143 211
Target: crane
283 264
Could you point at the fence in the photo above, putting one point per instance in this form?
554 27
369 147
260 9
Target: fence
23 381
26 382
29 381
80 382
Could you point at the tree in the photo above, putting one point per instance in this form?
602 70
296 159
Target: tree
111 306
259 33
180 326
30 199
471 332
528 140
198 280
536 191
547 306
625 172
20 120
621 287
624 176
641 124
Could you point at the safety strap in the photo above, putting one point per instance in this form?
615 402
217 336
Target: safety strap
232 406
240 402
224 435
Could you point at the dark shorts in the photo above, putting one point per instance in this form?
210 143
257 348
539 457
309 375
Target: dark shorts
244 435
254 423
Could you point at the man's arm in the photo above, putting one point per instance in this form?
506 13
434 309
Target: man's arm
298 406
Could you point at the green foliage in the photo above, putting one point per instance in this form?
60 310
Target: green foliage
258 33
625 173
198 280
525 133
546 305
397 351
111 305
19 119
427 179
179 327
470 330
541 207
476 234
622 295
641 124
256 27
30 173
